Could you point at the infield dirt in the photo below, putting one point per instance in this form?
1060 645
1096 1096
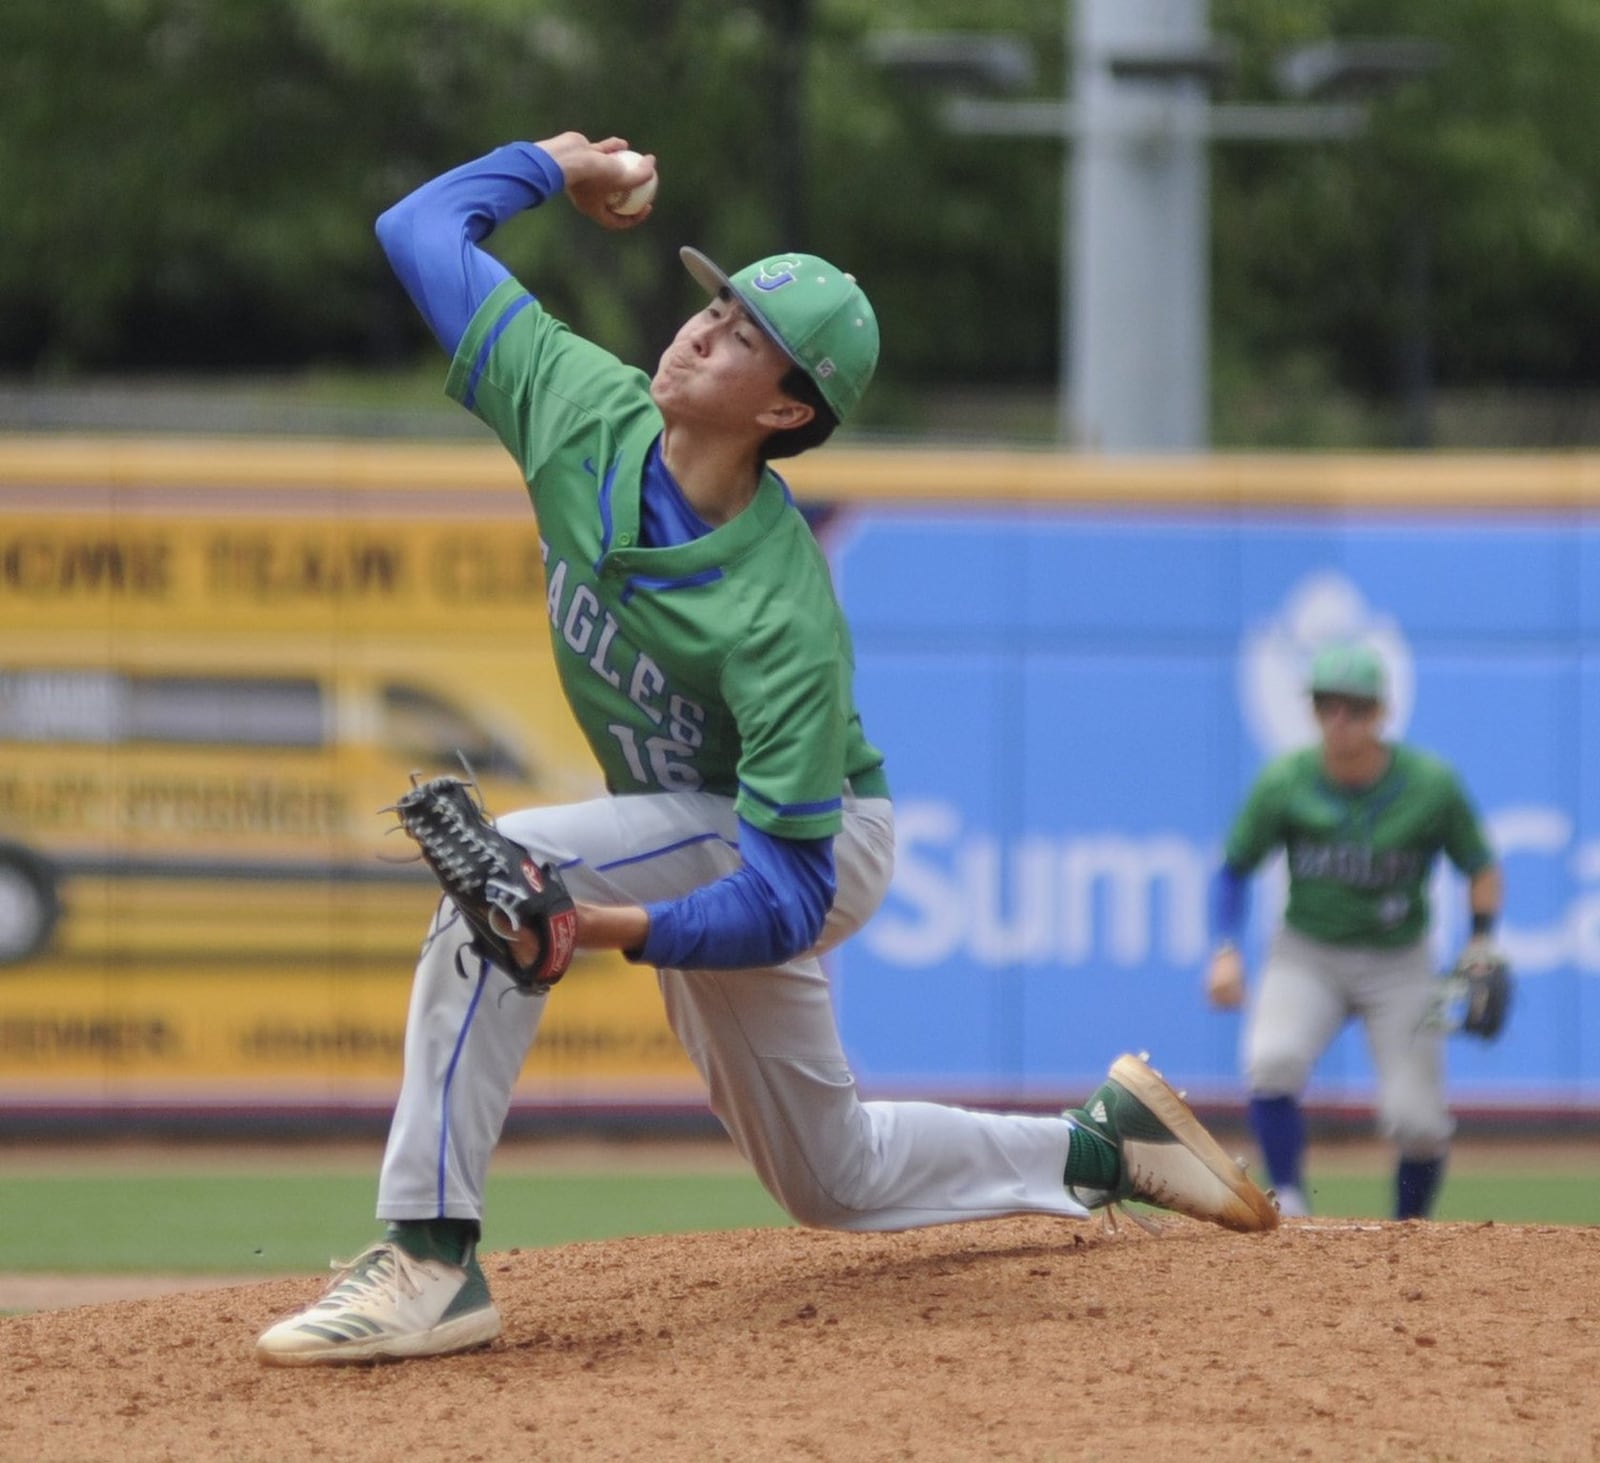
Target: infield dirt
1017 1339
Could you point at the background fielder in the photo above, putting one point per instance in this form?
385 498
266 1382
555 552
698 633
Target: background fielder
1361 821
705 657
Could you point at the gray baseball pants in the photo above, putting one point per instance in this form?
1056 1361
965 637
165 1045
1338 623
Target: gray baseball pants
765 1042
1308 990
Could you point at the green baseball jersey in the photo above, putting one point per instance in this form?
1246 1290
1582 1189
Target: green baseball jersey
723 664
1359 858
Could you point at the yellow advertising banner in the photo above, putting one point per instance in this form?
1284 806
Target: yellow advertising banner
289 1037
209 687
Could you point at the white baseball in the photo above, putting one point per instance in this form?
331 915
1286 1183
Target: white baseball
628 201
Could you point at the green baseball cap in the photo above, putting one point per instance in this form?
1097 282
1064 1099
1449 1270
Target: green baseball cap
1348 670
816 313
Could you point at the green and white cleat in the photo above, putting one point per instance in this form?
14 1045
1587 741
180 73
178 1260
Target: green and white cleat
384 1305
1168 1158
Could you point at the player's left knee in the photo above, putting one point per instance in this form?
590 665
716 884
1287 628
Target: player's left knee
809 1201
830 1190
815 1210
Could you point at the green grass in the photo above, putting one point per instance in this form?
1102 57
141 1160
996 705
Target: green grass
273 1224
1506 1198
277 1222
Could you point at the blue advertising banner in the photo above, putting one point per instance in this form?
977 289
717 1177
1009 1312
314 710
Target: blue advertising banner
1073 705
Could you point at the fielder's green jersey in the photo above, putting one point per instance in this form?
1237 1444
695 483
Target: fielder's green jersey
1359 858
723 664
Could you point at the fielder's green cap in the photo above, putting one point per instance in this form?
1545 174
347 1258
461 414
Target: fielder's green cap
816 313
1348 670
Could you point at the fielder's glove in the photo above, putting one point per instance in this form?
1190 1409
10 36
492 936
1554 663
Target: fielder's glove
522 918
1480 983
1485 977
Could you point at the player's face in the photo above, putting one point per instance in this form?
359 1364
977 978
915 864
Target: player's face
1348 723
721 370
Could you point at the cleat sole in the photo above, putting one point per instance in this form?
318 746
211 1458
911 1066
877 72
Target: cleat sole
1248 1210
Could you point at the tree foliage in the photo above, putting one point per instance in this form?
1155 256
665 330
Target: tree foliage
1486 164
192 183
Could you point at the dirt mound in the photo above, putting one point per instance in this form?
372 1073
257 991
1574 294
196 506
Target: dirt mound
1021 1339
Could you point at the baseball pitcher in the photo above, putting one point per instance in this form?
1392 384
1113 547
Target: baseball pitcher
748 826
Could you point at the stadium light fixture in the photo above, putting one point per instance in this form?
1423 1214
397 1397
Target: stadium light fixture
965 61
1214 62
1355 68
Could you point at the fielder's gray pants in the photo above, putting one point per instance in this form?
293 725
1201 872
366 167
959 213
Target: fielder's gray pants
1309 990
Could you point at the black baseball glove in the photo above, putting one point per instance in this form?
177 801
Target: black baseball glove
522 918
1483 976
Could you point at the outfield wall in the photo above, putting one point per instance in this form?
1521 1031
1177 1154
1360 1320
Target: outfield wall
1075 668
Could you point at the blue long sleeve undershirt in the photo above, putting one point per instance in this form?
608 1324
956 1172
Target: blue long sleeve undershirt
773 907
431 236
768 911
1230 902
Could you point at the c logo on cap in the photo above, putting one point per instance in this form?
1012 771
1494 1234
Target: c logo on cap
776 273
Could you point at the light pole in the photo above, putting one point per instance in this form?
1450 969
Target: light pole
1134 347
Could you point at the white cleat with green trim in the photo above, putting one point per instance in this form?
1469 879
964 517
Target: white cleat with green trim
1168 1158
384 1305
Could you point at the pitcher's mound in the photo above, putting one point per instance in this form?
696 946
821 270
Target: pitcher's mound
1019 1339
